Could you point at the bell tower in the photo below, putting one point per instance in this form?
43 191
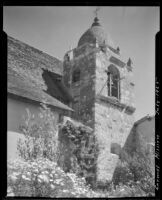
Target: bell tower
101 83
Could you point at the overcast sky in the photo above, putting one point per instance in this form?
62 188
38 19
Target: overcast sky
54 29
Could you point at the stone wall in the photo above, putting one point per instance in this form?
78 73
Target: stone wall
111 126
83 91
112 123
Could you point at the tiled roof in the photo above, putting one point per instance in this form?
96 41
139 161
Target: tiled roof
32 58
23 87
25 65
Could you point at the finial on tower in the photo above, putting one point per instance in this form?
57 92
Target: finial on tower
96 20
129 63
96 10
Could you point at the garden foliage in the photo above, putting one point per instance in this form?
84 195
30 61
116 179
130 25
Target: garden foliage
135 171
39 173
41 136
43 178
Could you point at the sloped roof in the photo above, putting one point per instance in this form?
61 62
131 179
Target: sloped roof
56 88
29 57
25 66
23 87
147 117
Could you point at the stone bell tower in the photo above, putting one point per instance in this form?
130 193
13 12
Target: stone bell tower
100 81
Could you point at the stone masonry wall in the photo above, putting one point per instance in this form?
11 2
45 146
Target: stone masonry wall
83 91
112 124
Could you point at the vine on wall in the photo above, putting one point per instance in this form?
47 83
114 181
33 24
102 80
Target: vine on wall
82 147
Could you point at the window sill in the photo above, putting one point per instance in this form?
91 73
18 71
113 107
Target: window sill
114 101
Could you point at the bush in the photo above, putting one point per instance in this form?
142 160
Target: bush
41 136
126 191
122 174
135 172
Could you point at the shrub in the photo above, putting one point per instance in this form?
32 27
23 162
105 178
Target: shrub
41 136
135 172
126 191
122 174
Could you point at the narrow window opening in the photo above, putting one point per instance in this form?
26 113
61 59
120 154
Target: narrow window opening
113 82
76 76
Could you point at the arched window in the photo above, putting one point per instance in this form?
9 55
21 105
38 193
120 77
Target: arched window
113 82
76 76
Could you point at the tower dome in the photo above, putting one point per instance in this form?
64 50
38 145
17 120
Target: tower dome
95 33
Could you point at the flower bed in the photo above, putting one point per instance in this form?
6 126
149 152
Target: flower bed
43 178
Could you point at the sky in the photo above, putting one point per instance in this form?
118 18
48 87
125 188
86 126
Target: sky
55 30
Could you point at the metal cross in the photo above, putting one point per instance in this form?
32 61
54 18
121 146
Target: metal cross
96 10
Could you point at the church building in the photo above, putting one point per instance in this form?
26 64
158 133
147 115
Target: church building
93 85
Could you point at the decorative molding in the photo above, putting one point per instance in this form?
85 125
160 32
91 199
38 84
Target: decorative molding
117 61
114 101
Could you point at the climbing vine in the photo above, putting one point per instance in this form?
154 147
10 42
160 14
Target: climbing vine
84 151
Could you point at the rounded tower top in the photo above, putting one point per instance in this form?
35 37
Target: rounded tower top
95 34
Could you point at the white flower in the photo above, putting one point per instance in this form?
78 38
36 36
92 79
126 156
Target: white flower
15 173
14 178
35 170
65 191
44 178
61 183
45 172
58 181
11 194
73 193
53 172
28 173
52 186
25 178
9 189
39 180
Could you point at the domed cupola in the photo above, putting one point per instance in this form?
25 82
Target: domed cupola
95 34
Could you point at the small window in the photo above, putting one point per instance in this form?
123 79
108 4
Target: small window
61 118
76 76
67 58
